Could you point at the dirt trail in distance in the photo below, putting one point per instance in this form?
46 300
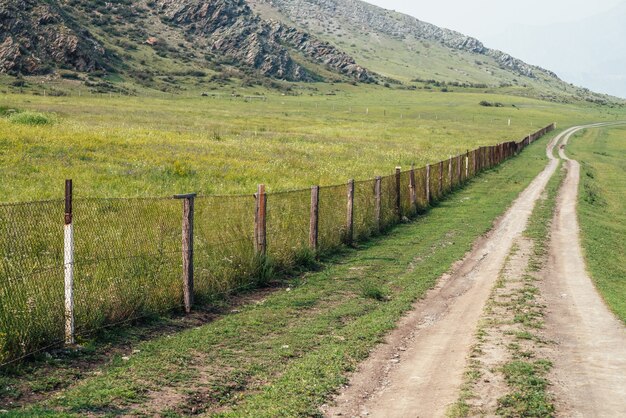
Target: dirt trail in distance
589 374
418 371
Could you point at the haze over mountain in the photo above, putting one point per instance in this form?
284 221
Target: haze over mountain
590 52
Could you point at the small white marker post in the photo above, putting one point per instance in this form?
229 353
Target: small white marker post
509 122
68 265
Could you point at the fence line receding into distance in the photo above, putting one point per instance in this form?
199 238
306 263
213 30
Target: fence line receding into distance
122 259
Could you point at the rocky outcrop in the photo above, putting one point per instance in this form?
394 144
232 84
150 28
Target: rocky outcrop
371 18
35 37
229 28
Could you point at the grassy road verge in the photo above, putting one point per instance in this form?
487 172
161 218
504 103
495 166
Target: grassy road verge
602 210
284 354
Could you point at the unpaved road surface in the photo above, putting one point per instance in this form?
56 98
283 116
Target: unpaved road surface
589 378
418 371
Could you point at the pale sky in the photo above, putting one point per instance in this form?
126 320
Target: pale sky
527 28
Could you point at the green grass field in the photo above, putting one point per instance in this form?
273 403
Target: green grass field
285 353
151 146
602 210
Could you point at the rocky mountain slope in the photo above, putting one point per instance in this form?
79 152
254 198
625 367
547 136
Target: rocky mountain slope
36 37
230 28
164 44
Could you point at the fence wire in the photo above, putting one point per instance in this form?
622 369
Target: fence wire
128 257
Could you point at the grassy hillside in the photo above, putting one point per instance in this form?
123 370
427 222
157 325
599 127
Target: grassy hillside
602 210
134 146
417 53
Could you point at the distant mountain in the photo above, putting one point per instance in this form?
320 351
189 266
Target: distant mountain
154 43
405 48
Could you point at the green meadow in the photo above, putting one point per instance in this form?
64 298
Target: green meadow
227 143
602 210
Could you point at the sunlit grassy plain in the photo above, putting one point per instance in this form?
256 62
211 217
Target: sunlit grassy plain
157 146
602 210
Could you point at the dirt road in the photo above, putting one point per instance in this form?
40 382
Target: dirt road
418 371
590 361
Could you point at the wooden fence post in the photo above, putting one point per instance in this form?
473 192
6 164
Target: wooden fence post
314 218
378 197
450 172
474 160
458 169
68 264
260 231
350 213
467 166
427 184
187 235
440 179
412 190
398 198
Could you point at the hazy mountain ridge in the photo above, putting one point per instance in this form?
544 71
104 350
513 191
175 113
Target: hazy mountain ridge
398 25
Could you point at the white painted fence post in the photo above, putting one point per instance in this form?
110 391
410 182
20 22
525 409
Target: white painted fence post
68 265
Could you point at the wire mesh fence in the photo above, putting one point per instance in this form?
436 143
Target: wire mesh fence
129 254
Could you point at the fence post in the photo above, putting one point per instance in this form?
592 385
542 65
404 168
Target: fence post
314 219
398 199
412 190
440 179
467 166
350 213
428 184
188 212
458 169
68 265
378 198
260 238
450 172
